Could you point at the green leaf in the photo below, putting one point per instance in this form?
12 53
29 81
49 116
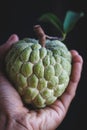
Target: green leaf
70 20
53 19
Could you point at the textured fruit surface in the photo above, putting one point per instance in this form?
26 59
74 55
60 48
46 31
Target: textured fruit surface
40 74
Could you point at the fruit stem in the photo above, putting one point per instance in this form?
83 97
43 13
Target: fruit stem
41 35
56 38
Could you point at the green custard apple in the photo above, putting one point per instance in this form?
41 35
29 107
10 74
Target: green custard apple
39 74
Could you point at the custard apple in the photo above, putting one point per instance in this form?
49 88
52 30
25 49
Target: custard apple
39 74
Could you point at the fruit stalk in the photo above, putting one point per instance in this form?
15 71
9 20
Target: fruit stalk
41 35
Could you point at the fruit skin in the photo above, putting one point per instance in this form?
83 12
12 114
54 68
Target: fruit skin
39 74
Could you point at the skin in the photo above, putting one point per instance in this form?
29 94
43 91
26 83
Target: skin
15 116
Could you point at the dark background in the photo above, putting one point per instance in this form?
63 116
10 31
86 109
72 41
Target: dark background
19 16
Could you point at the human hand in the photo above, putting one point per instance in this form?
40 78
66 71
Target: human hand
15 116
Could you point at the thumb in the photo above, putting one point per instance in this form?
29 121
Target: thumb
12 39
6 46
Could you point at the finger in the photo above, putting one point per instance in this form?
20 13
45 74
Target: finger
69 94
6 46
77 66
12 39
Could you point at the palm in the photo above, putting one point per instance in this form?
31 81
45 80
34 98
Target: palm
44 119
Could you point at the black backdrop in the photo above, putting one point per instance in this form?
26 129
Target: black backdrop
19 16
